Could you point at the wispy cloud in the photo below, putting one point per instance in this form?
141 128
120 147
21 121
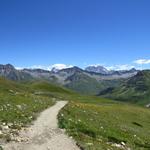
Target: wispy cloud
120 67
135 64
115 67
57 66
142 61
61 66
96 65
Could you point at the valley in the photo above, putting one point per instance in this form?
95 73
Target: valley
75 75
112 117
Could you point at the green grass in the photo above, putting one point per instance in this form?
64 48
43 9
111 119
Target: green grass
97 126
95 123
21 108
134 90
20 103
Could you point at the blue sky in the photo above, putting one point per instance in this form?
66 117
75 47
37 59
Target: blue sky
114 33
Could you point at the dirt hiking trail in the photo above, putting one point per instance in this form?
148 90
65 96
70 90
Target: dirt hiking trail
44 134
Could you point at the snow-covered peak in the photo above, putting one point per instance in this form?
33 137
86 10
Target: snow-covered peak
97 69
57 67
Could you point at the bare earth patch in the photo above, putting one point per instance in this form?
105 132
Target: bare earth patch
44 134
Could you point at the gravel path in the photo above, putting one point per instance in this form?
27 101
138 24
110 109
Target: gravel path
44 134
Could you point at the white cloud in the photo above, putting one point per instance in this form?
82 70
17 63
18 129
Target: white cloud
40 67
18 68
115 67
142 61
57 66
120 67
95 65
61 66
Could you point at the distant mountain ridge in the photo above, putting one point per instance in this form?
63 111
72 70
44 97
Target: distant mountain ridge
8 71
105 71
135 89
83 81
126 85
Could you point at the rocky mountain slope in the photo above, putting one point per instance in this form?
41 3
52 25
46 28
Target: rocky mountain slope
135 89
75 78
10 72
97 69
104 71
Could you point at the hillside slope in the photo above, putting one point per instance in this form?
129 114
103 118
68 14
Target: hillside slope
21 102
136 89
103 125
115 124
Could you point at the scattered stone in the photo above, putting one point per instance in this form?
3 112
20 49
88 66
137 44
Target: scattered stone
30 117
117 145
17 139
11 91
19 107
148 105
4 128
100 140
4 123
1 133
122 143
10 124
48 148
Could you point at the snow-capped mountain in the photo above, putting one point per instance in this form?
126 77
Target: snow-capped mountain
97 69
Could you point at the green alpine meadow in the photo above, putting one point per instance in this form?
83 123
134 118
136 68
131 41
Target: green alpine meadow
94 122
74 74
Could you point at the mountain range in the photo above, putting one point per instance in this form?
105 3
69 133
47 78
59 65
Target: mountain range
88 81
125 85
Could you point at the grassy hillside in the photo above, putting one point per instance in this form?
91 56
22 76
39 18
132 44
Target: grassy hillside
21 102
134 90
83 84
87 85
104 125
95 123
